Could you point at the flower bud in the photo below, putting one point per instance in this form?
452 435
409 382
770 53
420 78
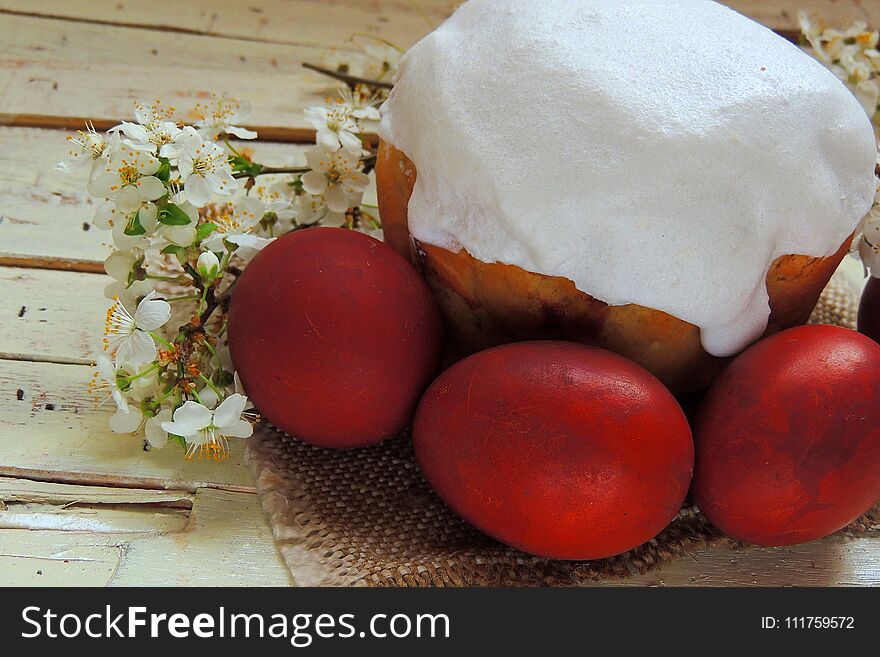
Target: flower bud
208 266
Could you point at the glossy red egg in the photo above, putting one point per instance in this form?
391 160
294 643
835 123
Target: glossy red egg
555 448
335 336
788 438
869 310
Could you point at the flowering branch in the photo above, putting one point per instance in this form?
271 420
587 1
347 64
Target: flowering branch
186 214
852 55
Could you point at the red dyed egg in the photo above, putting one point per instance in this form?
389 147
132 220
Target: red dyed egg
335 336
555 448
788 438
869 310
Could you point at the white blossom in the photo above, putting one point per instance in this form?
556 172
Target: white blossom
336 177
128 178
204 170
336 126
363 103
206 431
850 54
220 116
185 235
154 131
236 225
127 336
109 217
89 148
280 200
311 208
104 384
119 267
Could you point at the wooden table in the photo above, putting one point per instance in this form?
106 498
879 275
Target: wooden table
80 505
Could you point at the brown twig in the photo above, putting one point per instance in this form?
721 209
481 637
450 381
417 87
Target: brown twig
351 80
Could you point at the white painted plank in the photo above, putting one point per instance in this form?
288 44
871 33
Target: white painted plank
224 543
56 315
59 73
227 543
329 23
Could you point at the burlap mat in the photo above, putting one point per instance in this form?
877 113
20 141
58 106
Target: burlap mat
367 517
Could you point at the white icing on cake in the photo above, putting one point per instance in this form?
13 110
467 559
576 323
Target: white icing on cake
656 152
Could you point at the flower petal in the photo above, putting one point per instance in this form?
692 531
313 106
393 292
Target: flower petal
122 422
229 411
198 191
104 215
327 139
152 313
128 199
149 216
238 429
134 132
147 164
350 142
317 158
314 182
102 184
181 235
105 368
135 349
241 133
151 188
119 265
249 245
336 199
153 431
357 180
188 420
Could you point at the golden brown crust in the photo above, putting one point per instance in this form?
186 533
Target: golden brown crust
486 304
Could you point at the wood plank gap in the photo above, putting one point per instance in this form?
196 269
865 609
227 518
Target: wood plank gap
17 490
266 133
56 264
173 29
37 358
118 481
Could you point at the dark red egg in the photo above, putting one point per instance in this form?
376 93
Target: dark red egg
335 336
788 438
869 310
555 448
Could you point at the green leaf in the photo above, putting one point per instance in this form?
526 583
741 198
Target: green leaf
173 215
223 378
180 439
241 164
205 229
164 172
178 251
134 226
